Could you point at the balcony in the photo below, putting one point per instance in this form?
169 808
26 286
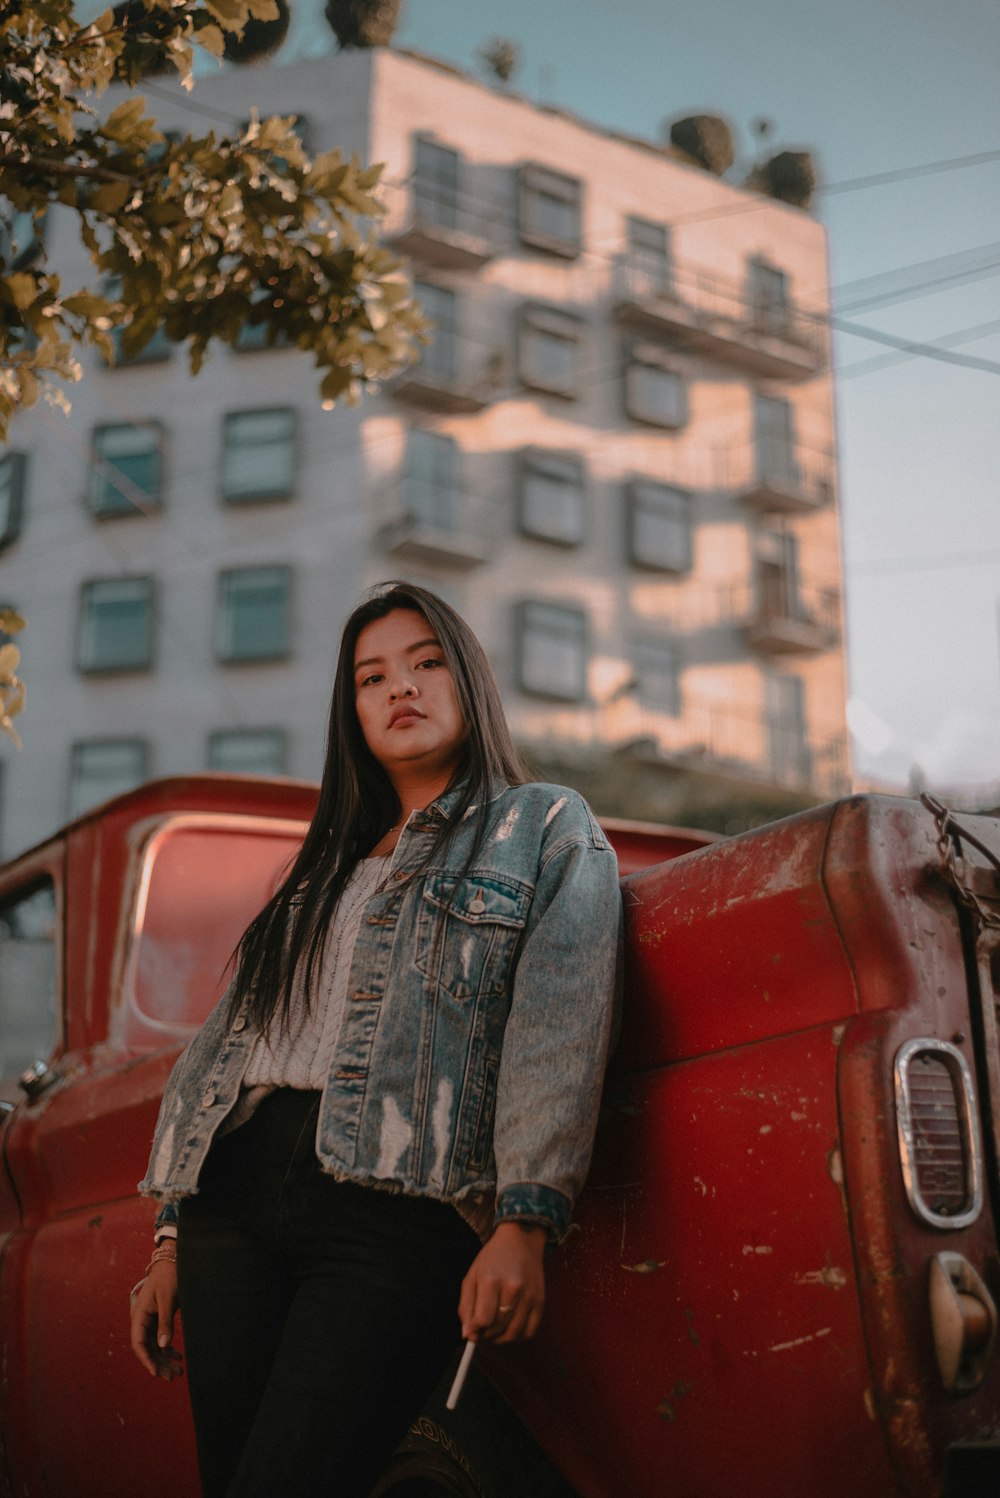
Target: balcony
453 377
785 619
739 741
442 227
719 319
440 527
792 481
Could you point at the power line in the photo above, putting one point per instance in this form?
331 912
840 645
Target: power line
902 173
950 340
939 350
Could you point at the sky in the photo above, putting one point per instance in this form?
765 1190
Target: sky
872 88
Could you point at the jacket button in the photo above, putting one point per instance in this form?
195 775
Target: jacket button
476 907
208 1100
399 874
239 1023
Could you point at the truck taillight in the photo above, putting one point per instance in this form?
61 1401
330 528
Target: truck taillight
939 1145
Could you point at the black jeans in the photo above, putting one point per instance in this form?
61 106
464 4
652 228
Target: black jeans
318 1315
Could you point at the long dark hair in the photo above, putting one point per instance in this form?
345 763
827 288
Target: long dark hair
358 803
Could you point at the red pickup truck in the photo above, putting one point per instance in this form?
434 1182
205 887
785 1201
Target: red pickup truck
786 1272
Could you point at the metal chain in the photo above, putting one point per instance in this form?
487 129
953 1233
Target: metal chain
950 834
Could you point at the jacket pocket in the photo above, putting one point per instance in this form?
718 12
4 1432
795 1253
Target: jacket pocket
467 932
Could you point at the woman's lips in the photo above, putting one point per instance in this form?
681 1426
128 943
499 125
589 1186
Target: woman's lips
405 715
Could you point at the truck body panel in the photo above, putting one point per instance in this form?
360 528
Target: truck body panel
746 1300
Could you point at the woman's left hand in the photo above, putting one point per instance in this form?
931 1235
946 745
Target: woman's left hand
503 1293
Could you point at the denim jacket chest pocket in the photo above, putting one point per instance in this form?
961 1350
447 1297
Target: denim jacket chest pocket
467 932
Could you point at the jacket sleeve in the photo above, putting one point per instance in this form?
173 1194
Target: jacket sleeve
563 1010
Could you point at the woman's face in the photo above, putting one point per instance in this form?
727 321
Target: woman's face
406 700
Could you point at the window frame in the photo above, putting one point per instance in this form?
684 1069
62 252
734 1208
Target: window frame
548 462
270 494
641 261
767 313
278 736
223 655
439 193
88 588
578 693
447 483
643 493
645 357
12 521
95 476
537 180
674 705
130 741
536 318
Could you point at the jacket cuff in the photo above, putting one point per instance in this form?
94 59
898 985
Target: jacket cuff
526 1201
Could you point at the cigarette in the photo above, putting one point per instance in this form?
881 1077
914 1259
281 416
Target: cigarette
459 1379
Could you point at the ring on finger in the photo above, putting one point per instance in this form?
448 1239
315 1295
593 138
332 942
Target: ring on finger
504 1310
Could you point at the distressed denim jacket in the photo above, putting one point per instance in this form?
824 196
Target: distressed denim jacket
479 1014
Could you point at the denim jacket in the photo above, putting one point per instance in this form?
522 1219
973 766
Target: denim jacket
479 1014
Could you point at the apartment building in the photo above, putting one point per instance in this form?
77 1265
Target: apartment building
616 457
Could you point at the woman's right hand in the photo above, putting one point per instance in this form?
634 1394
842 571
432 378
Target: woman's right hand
153 1307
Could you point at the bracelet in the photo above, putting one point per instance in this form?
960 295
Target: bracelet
164 1252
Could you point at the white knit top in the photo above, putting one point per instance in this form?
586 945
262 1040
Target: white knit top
298 1054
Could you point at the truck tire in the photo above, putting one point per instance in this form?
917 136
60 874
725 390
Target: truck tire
480 1450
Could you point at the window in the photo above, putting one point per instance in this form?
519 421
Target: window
104 768
13 475
552 651
778 576
439 359
770 304
258 455
126 469
657 669
786 721
659 526
774 433
116 625
435 184
433 488
551 497
648 257
655 391
549 350
254 620
28 995
251 751
549 210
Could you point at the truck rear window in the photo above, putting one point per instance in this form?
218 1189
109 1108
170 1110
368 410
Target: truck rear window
28 999
203 879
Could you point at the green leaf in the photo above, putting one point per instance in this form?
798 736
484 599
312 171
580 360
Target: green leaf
22 288
110 198
121 123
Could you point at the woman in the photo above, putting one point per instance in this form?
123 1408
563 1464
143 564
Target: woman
390 1112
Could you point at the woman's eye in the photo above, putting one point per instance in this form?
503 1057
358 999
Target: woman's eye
430 663
368 681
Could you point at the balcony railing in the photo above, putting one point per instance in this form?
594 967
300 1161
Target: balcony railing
720 738
444 527
781 617
711 316
770 479
453 375
438 225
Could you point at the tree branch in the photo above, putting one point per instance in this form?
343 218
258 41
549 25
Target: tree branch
52 166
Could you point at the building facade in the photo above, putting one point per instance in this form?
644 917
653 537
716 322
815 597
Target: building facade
616 458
